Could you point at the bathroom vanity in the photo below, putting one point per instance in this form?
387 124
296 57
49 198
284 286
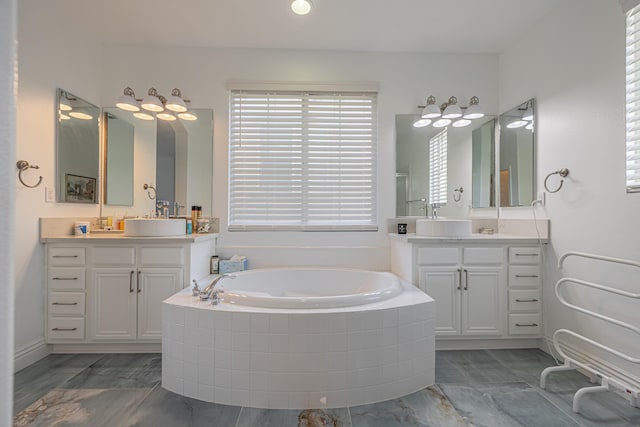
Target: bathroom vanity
106 291
487 288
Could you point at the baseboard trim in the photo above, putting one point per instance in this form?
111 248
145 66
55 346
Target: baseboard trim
30 354
485 344
108 348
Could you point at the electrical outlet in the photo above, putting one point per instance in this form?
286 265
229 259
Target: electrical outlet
49 195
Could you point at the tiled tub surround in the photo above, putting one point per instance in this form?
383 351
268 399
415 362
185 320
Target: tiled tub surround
298 358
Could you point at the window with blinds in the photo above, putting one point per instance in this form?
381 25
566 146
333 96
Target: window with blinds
438 168
302 161
633 100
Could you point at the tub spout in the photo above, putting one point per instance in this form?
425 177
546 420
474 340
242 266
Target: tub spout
211 292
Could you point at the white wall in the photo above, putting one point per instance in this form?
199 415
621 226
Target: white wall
573 63
51 54
405 80
8 34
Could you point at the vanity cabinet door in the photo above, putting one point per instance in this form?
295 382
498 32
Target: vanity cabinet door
443 285
155 285
482 307
113 304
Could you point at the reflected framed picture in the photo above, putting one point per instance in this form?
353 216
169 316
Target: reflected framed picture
79 189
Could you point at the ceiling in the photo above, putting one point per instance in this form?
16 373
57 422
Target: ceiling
451 26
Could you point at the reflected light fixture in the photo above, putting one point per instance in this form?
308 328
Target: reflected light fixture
529 126
431 110
528 113
128 101
152 101
451 111
64 117
175 102
188 115
473 111
142 115
65 101
421 123
517 124
440 123
79 115
301 7
461 123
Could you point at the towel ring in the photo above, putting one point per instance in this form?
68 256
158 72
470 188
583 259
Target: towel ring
23 165
564 172
459 191
150 187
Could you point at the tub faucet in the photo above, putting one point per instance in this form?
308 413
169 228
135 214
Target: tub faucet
211 292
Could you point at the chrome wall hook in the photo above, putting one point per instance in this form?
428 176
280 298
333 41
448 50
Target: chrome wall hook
150 187
564 172
459 191
23 165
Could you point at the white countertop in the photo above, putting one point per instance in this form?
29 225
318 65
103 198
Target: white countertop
475 237
108 237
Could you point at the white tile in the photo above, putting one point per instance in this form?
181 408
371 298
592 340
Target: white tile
222 359
240 380
278 343
205 357
260 362
405 352
364 359
173 384
260 381
299 400
318 324
176 315
205 318
389 355
222 321
319 399
259 323
241 397
336 380
190 389
389 336
390 373
241 360
336 342
369 377
298 362
190 373
241 341
279 323
205 337
300 323
299 342
259 399
191 317
190 353
223 395
223 340
279 381
222 377
317 343
337 322
335 361
259 342
176 332
390 318
191 335
206 376
278 400
241 322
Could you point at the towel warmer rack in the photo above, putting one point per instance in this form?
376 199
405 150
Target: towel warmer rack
607 382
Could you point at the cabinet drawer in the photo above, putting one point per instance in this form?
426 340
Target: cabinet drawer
161 256
525 255
66 303
482 255
524 300
525 324
65 278
524 276
66 328
114 256
438 256
66 256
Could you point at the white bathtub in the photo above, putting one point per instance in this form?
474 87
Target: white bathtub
300 338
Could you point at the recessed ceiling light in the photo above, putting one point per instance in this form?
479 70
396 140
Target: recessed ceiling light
301 7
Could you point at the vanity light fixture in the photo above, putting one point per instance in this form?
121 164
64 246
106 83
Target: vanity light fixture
142 115
188 115
64 117
65 101
152 101
80 115
528 113
517 124
301 7
449 111
167 116
529 126
175 102
128 101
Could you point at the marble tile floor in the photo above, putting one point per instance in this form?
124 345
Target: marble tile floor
491 388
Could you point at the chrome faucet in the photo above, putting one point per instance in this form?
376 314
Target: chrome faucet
210 292
434 210
176 208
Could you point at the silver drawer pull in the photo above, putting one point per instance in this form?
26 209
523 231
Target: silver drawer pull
65 256
64 278
526 254
64 303
528 275
527 300
65 329
526 324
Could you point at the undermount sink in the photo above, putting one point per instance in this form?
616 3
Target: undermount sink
443 227
151 227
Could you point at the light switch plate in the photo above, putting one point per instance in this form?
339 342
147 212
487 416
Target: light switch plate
49 196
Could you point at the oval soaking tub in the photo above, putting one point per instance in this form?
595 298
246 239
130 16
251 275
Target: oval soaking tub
298 338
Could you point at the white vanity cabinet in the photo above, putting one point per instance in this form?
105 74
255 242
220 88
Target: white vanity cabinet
525 292
110 290
467 284
127 287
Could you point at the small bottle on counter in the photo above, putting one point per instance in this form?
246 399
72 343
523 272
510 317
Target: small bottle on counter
189 226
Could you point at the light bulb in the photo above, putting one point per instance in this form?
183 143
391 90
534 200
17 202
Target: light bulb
301 7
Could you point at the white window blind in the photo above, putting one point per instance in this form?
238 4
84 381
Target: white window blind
302 160
633 100
438 168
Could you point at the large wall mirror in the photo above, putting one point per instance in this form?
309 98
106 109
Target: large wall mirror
465 174
77 149
118 136
517 155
